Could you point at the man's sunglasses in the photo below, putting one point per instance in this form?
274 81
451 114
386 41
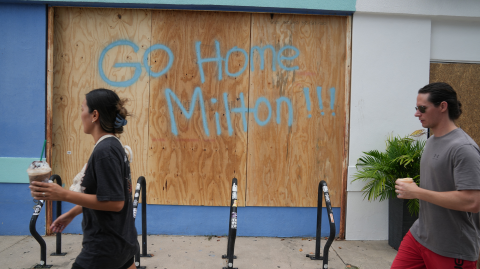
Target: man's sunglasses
422 109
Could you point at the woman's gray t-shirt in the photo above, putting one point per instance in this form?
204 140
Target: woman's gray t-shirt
450 162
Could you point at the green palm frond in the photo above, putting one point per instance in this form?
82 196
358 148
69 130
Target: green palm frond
413 206
380 170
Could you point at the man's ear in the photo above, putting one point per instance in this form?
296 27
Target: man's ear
443 106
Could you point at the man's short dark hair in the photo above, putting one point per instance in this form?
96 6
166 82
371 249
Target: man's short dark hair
441 91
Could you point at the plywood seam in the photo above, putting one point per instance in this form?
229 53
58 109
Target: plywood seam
248 105
144 199
49 107
348 62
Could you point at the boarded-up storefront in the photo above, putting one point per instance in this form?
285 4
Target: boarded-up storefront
216 95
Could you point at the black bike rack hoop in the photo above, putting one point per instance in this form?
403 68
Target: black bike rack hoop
323 191
58 250
141 187
33 231
232 227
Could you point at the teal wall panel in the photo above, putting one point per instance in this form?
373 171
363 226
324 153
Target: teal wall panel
337 7
14 170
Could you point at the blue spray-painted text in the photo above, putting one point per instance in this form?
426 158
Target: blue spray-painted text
242 109
222 63
279 59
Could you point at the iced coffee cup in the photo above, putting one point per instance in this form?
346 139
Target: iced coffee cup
406 180
39 171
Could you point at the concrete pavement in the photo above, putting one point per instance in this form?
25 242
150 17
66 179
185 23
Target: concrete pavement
205 252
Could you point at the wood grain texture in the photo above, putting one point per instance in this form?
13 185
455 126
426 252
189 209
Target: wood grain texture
465 80
191 167
286 163
49 118
80 36
192 161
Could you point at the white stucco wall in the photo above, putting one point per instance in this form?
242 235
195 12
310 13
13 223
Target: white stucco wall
393 43
460 8
390 62
455 40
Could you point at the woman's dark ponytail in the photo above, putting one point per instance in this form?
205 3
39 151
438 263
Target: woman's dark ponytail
109 106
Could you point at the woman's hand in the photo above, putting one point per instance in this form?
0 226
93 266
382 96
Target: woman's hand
52 191
61 223
47 191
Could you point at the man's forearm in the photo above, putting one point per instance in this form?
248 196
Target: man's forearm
465 200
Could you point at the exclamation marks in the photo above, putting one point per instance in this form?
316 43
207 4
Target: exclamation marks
319 96
332 99
320 101
307 100
217 118
227 114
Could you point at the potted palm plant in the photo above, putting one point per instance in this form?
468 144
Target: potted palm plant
380 170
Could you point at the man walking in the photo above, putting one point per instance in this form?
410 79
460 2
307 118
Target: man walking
446 234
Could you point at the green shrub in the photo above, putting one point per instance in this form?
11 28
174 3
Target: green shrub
380 170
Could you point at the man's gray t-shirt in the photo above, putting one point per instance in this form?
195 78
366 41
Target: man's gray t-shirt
450 162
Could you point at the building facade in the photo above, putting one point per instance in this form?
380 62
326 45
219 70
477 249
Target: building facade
385 56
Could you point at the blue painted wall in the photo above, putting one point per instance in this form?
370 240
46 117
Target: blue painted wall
16 209
22 109
213 220
22 79
22 132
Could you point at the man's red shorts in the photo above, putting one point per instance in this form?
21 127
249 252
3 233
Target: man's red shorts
412 255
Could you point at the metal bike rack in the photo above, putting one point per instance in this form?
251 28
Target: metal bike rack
58 251
141 187
33 231
323 191
232 227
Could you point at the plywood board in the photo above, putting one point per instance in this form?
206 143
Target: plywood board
297 110
81 37
259 97
193 155
465 80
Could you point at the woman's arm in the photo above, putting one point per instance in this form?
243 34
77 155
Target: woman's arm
52 191
75 211
63 220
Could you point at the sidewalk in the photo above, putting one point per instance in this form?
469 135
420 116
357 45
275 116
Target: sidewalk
202 252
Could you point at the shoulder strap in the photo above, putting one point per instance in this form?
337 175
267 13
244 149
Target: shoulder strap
128 150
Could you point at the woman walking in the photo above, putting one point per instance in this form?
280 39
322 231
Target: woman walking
103 190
